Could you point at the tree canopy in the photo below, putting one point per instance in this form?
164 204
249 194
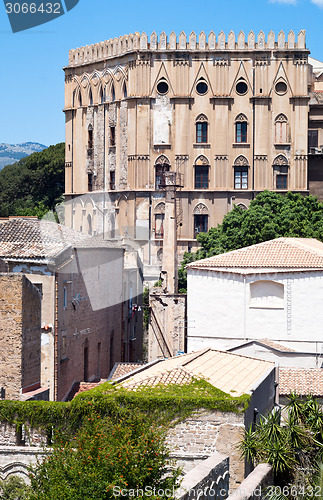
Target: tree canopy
33 185
270 215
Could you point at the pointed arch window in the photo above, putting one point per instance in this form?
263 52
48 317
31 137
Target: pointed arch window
281 129
241 129
80 99
201 217
280 172
159 213
241 168
162 165
113 94
201 173
125 95
90 98
201 125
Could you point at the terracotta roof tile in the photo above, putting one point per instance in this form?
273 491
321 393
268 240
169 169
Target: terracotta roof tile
121 369
36 239
232 373
280 253
274 345
301 380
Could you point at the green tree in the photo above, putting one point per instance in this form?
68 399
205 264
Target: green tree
33 185
107 455
293 445
270 215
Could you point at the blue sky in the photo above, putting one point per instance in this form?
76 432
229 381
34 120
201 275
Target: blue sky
32 80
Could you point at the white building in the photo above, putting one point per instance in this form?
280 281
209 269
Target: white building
271 290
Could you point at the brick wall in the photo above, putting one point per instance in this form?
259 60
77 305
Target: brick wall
19 334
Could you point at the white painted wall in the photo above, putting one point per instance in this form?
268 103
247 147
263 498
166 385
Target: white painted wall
221 312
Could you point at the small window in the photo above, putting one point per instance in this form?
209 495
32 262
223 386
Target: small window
64 297
162 87
267 294
281 130
112 136
80 99
90 98
201 132
113 94
200 224
202 87
89 182
281 175
102 97
201 177
241 132
90 139
159 226
281 88
241 87
240 177
112 180
313 139
125 95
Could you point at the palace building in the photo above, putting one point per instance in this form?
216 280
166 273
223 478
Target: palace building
228 115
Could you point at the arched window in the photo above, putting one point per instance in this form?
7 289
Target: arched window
201 216
241 167
281 130
159 213
113 94
80 99
267 294
90 98
201 125
201 174
162 165
280 172
125 95
241 129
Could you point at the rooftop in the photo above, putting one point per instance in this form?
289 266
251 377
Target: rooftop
231 373
31 238
280 254
303 381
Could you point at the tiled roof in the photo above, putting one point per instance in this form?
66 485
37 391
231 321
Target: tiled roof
87 386
280 253
175 376
231 373
303 381
274 345
121 369
36 239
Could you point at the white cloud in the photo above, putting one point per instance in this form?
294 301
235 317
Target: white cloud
292 2
319 3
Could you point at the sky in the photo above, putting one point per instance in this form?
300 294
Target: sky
32 79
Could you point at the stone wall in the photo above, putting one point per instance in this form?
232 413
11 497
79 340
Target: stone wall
206 433
19 335
15 460
253 487
210 479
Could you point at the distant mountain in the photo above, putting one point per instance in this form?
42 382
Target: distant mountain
10 153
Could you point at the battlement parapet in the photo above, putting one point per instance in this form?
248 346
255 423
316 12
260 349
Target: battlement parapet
193 43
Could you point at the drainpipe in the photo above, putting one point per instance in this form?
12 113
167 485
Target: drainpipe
56 340
244 307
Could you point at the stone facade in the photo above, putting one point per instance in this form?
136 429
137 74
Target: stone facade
206 433
228 114
20 343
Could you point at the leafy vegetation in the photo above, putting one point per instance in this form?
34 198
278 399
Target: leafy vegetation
110 437
13 488
106 456
33 185
293 445
270 215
